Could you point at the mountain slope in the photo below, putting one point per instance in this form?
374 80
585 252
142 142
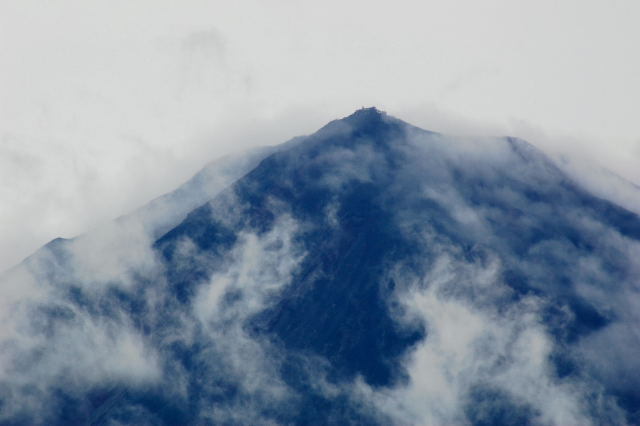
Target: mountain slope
372 272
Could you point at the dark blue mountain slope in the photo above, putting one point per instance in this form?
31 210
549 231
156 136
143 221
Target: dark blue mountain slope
371 273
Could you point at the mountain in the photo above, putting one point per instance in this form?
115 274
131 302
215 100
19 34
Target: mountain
370 273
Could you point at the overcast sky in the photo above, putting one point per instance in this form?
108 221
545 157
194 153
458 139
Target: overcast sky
107 104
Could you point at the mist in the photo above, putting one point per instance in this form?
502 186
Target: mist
107 106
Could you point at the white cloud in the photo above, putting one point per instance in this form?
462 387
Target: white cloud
108 105
48 341
471 345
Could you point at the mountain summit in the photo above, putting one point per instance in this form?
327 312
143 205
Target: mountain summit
370 273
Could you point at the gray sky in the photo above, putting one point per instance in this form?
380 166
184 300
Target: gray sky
104 105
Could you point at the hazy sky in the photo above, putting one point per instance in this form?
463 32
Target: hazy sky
106 104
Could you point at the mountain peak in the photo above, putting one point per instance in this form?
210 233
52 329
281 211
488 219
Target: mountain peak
369 122
365 115
372 110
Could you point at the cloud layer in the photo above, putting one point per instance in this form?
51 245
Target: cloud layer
107 106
